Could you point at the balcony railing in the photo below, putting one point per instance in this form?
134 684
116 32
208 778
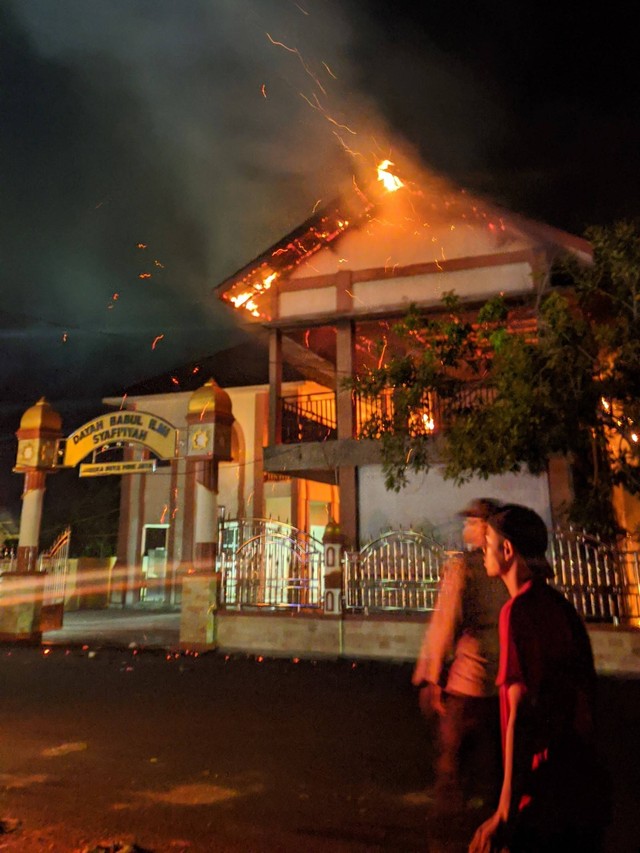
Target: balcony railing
313 417
309 418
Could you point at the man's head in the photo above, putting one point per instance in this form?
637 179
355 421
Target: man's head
516 532
475 519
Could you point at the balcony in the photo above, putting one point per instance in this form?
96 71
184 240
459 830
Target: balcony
313 417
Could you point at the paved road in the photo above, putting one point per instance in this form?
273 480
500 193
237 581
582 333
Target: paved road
201 754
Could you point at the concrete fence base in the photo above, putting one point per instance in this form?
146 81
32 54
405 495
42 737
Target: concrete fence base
379 637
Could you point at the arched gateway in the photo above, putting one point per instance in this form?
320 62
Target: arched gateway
42 450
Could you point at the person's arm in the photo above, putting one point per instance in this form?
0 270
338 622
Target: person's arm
485 834
439 636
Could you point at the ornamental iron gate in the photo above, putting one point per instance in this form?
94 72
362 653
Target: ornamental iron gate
277 566
399 571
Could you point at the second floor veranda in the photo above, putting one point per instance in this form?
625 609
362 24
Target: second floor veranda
315 417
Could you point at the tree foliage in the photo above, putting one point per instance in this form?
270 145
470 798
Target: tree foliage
515 385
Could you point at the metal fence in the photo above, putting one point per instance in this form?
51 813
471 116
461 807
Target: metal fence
400 571
602 581
269 564
277 566
55 563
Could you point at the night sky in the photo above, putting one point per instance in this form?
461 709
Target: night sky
182 127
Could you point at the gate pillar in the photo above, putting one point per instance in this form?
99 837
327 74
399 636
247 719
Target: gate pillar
38 436
209 422
333 541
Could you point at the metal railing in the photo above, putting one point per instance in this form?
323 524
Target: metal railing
276 567
309 418
54 562
602 581
8 561
270 564
313 417
400 571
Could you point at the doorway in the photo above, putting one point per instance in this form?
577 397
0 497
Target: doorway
154 563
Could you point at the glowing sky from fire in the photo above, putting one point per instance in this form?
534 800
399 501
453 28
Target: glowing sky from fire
152 148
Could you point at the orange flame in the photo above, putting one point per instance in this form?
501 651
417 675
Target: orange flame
390 182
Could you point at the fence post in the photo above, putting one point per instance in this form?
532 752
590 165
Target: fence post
333 541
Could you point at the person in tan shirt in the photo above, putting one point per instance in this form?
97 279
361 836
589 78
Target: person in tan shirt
457 667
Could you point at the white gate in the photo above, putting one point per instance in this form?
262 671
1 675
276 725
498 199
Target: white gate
278 566
55 563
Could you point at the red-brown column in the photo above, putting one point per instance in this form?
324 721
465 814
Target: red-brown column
30 518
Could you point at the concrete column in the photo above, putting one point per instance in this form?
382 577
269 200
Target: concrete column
344 370
206 516
349 522
275 386
188 519
30 518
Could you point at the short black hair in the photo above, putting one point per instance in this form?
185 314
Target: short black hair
527 532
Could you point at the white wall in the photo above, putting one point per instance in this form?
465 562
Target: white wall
431 503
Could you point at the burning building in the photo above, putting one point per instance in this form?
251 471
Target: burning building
318 302
329 292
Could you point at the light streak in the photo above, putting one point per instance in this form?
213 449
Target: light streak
156 341
345 146
263 89
384 349
304 64
315 206
329 71
124 397
318 106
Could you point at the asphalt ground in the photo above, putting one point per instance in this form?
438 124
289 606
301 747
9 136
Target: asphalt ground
180 753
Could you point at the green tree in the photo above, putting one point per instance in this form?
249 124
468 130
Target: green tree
516 383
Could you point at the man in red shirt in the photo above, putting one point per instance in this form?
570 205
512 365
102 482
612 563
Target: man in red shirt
554 793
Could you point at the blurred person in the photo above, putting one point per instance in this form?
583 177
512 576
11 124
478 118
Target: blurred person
456 671
555 794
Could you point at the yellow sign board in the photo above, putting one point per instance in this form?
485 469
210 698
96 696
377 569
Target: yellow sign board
147 466
143 428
